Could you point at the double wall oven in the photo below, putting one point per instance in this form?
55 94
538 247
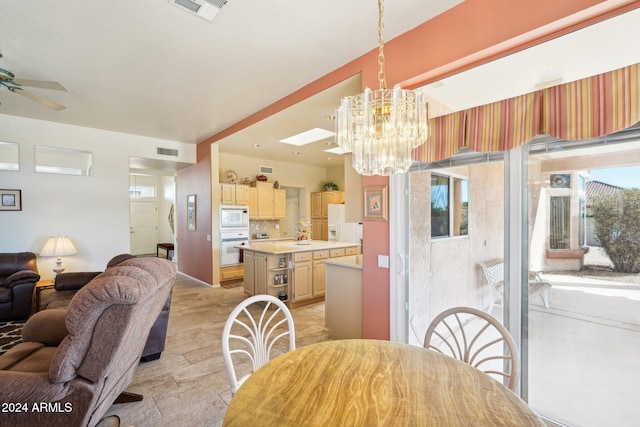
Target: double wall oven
234 231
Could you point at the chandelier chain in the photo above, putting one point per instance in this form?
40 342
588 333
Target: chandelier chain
382 78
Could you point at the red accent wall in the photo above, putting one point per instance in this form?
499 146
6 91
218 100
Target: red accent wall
194 250
473 33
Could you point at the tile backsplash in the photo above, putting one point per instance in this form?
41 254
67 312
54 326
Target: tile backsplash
269 227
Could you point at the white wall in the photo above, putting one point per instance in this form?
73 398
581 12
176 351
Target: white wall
92 211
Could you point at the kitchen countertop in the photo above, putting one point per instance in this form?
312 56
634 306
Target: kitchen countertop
350 261
271 239
292 246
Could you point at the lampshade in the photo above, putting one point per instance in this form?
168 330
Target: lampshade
58 246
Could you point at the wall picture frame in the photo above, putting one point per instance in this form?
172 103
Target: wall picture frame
10 200
191 212
376 204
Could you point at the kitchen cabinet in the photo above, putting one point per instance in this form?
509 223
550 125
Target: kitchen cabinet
249 273
252 201
302 276
234 194
320 202
316 205
231 273
255 273
266 202
331 198
319 267
279 203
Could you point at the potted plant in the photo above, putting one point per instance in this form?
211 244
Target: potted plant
329 186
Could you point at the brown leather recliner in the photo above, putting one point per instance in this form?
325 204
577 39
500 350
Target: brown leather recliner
67 284
75 362
18 277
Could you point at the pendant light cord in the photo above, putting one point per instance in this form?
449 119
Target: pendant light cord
382 78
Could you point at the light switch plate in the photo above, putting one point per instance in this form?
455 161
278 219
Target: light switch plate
383 261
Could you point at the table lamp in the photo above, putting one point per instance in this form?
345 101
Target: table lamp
58 246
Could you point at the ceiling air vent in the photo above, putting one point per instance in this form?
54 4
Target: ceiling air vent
206 9
266 170
167 151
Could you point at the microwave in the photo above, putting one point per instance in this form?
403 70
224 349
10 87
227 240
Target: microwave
234 216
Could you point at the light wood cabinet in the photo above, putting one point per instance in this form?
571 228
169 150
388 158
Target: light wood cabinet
249 274
316 205
302 276
231 272
331 198
233 194
252 201
316 229
266 202
260 273
334 253
320 202
319 267
255 273
355 250
279 203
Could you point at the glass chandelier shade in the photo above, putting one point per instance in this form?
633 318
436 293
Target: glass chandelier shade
382 127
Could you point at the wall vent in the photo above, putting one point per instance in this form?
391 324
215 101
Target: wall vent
206 9
268 170
167 151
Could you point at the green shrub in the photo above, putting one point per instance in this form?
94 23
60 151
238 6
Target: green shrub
617 218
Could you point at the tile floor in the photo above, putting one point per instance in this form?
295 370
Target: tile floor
188 385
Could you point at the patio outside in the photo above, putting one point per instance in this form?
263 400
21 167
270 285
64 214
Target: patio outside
584 367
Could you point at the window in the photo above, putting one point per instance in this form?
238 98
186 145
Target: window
559 222
449 206
64 161
141 191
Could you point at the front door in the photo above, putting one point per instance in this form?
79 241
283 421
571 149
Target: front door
143 227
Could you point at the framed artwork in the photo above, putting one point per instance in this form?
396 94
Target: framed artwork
375 203
10 200
191 212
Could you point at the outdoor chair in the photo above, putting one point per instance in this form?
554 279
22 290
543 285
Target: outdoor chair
494 274
254 326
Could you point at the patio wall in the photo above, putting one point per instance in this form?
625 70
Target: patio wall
446 272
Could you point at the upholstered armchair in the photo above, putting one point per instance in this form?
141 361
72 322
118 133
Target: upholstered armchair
67 284
18 277
75 362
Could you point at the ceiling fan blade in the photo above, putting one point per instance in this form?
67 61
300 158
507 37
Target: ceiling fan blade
39 99
40 84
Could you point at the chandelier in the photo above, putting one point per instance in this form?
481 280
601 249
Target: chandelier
382 127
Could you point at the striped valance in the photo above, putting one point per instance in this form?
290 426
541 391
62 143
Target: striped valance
587 108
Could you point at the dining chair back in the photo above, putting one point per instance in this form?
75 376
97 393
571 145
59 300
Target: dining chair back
253 327
477 338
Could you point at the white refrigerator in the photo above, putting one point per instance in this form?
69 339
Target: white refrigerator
339 230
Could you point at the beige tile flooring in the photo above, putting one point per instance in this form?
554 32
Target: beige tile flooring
188 385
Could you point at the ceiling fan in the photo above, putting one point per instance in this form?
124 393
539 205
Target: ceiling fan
8 80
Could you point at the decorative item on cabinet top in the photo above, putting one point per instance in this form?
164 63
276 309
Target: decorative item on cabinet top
231 177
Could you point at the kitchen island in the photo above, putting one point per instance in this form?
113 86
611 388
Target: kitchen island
293 272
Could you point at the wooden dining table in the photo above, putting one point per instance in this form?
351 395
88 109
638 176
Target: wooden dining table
373 383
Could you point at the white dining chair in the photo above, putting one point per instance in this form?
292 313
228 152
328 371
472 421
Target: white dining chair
253 327
477 338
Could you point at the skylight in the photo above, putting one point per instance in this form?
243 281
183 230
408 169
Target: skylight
304 138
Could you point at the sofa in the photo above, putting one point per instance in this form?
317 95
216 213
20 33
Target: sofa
68 284
74 363
18 277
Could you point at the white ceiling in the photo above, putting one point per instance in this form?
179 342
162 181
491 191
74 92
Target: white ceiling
146 67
